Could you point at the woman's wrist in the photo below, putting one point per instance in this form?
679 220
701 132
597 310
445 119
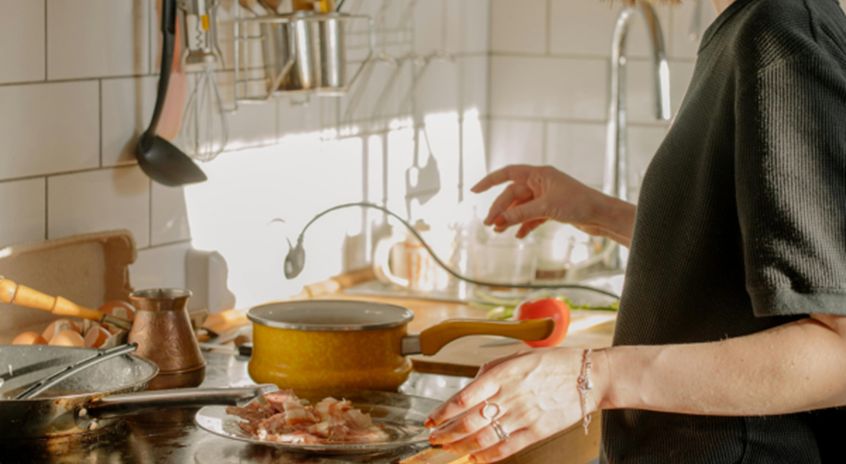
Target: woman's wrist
609 217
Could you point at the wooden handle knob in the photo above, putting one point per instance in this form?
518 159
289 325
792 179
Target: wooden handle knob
434 338
7 290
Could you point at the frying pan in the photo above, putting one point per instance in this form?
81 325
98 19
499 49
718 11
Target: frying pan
93 400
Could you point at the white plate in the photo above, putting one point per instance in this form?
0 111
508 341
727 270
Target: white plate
401 415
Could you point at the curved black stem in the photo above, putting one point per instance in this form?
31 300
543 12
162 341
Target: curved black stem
444 266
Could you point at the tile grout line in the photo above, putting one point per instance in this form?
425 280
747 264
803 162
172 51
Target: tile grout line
150 215
548 35
45 40
100 106
46 208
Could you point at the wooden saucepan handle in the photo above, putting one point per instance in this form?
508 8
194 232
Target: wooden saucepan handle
436 337
21 295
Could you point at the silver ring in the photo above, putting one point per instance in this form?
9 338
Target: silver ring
500 433
490 411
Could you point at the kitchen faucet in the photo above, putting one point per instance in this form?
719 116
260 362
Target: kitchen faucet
616 156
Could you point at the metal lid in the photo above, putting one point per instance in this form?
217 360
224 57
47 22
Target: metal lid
330 315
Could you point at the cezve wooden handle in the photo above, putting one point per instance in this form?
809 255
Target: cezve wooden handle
21 295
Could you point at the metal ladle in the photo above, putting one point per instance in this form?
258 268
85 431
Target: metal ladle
158 158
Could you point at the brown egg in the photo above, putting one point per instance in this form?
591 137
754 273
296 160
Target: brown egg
29 338
119 309
114 340
96 337
59 325
67 338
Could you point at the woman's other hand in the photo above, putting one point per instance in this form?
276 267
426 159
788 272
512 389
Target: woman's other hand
539 193
536 394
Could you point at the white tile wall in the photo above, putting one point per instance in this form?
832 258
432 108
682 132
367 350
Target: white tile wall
516 140
78 87
158 267
578 149
99 200
96 38
168 215
49 128
538 87
126 106
22 24
518 26
585 28
22 210
564 87
468 26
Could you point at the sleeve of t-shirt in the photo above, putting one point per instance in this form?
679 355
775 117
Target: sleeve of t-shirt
790 181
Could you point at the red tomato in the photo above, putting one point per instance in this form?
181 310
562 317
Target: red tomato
552 308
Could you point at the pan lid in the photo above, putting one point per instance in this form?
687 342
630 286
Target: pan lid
330 315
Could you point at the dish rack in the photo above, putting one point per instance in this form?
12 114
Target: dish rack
303 53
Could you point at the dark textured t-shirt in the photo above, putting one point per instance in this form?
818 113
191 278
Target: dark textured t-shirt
741 225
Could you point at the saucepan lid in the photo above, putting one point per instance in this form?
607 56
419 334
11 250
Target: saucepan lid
330 315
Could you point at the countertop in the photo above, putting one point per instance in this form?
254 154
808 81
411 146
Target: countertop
172 437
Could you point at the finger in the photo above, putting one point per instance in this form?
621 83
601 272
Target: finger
520 213
474 393
482 439
528 227
515 193
462 426
517 440
512 173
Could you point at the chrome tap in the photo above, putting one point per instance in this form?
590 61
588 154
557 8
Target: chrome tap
616 157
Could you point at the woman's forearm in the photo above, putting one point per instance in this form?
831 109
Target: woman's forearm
796 367
611 218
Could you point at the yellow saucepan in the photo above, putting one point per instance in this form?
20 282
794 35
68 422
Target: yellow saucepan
317 345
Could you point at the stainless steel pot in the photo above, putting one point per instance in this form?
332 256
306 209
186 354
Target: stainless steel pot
306 51
93 400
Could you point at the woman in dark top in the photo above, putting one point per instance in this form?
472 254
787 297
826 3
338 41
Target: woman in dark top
730 343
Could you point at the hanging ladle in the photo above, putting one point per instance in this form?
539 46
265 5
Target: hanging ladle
158 158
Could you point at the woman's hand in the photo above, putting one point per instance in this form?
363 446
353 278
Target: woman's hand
539 193
537 396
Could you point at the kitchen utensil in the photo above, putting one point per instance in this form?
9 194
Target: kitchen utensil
206 129
21 295
340 345
401 415
305 51
164 335
413 265
158 158
201 45
94 401
74 369
254 7
295 260
505 260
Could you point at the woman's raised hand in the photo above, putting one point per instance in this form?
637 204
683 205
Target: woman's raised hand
539 193
532 396
536 193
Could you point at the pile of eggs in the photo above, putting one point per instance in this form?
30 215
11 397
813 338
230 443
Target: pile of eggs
82 333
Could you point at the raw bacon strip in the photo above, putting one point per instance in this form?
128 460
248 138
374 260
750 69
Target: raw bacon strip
285 419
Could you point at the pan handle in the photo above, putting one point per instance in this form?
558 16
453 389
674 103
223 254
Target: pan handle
135 403
431 340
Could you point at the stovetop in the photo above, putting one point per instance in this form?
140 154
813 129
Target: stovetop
171 436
